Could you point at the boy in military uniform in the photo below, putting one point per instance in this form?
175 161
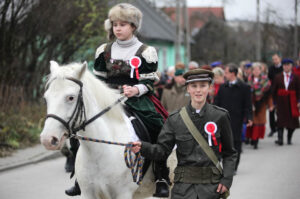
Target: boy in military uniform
197 175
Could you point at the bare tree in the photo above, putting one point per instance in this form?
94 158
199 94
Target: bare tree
36 31
295 53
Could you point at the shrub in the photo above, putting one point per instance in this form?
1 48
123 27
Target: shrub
20 127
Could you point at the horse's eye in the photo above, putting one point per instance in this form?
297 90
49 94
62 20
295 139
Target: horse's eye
71 98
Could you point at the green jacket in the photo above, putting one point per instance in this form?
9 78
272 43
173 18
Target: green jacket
116 73
189 153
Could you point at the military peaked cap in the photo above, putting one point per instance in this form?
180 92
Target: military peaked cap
197 75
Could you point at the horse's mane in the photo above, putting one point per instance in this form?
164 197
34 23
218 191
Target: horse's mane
104 95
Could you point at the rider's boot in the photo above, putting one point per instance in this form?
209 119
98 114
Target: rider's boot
74 191
161 173
70 162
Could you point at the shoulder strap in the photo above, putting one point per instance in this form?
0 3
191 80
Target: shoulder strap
107 51
140 50
199 138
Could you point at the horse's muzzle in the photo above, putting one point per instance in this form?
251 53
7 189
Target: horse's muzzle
52 142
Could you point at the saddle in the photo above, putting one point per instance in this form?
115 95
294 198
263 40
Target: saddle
140 130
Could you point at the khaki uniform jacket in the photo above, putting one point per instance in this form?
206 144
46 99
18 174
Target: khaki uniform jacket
175 98
189 153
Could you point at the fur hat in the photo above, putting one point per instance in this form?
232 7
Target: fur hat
123 12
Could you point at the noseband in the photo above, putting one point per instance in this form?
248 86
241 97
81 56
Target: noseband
79 116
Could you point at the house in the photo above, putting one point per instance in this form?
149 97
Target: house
158 30
198 16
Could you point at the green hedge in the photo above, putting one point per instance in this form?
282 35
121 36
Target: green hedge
20 127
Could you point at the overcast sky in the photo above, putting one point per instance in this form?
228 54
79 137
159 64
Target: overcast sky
246 9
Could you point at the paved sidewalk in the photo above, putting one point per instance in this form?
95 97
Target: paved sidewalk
27 156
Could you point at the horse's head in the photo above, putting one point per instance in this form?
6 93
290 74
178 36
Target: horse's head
61 98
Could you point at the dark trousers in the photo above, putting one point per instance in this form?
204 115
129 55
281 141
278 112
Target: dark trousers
238 148
289 135
272 121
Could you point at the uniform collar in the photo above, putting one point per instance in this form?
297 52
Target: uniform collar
193 111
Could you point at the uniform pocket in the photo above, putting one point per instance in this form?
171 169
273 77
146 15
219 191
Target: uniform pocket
185 144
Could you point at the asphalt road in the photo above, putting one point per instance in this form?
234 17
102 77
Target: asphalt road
271 172
44 180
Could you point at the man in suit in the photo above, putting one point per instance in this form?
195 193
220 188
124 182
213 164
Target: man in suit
274 69
286 93
235 96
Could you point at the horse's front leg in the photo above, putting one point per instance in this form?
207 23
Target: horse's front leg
124 196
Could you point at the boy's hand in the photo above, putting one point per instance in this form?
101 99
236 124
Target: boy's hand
136 146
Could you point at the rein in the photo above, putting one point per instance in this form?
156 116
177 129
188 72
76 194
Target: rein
135 164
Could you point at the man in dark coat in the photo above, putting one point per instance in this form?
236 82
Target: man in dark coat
274 69
235 96
286 92
196 175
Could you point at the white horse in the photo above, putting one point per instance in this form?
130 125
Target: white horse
100 168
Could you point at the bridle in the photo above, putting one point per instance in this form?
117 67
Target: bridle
79 116
135 164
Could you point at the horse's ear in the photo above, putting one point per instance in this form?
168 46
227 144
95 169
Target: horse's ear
53 66
82 69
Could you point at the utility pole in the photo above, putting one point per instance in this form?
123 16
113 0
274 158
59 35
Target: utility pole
295 54
187 45
258 40
178 31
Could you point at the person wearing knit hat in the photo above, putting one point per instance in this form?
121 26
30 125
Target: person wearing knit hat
199 129
128 65
179 69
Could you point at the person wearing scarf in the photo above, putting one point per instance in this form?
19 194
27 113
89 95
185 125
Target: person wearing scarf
261 100
286 95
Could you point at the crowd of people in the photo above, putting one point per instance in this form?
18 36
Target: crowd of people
248 91
262 83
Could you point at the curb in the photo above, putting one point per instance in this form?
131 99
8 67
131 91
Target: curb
27 156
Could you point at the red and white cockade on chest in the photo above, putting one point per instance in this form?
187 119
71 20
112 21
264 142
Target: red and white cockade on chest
210 129
135 62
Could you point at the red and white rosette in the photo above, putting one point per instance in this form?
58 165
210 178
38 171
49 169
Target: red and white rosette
211 128
135 62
